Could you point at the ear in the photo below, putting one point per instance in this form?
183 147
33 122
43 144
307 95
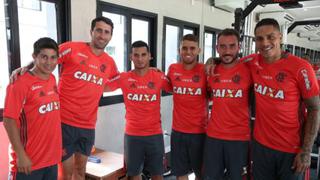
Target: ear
34 56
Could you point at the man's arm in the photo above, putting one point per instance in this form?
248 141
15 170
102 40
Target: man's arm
303 159
24 163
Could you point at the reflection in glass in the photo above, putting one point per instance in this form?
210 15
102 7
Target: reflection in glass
208 47
172 44
140 32
188 31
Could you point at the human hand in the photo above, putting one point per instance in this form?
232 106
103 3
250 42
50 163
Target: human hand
19 71
24 164
301 162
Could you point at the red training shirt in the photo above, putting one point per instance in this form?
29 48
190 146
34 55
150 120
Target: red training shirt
34 104
82 81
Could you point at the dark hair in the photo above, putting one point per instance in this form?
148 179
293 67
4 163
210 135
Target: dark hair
268 22
45 43
104 19
190 37
138 44
229 32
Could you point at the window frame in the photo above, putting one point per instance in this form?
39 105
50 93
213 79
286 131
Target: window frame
130 13
63 17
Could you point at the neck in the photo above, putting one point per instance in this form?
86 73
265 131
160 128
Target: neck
39 74
141 72
230 65
95 51
189 66
272 59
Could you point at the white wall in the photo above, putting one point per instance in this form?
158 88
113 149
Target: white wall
110 126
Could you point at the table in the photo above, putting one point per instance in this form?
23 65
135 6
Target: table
110 168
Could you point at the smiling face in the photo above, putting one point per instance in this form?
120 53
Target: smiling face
189 50
268 40
101 35
228 49
45 62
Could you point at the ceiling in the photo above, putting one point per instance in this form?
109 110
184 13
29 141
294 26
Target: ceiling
309 11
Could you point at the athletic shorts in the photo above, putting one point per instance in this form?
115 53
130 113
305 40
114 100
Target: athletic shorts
186 153
144 152
47 173
272 164
76 139
221 155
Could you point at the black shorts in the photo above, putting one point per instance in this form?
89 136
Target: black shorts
272 164
47 173
144 152
224 154
186 153
76 139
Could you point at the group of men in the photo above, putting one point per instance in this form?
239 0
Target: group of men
282 140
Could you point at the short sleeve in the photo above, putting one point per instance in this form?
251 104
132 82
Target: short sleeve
307 81
64 52
15 99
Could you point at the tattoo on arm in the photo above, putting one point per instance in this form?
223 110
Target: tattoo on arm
311 124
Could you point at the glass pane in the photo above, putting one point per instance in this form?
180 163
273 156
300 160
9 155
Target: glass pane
117 46
36 19
140 31
208 47
4 80
188 31
172 44
216 52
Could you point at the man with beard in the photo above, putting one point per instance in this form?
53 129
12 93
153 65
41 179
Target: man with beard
85 69
188 80
228 131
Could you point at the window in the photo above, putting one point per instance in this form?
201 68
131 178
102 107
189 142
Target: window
38 17
302 51
289 48
210 41
172 45
173 32
129 25
3 56
248 45
27 21
297 51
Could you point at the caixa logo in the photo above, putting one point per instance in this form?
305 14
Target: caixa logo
49 107
304 73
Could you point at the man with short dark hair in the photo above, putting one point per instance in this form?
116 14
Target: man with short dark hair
143 140
283 141
32 117
188 81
